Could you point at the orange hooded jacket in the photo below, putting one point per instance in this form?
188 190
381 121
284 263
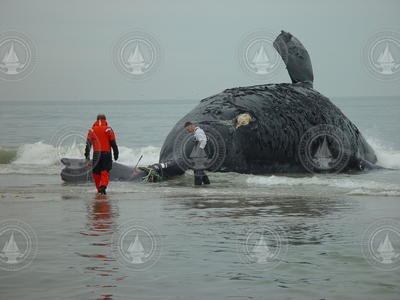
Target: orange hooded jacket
102 137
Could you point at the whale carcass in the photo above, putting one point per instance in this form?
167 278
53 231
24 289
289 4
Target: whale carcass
261 129
274 128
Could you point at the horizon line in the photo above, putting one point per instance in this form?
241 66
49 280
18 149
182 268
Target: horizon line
166 99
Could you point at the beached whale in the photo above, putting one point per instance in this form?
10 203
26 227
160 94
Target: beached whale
270 128
264 128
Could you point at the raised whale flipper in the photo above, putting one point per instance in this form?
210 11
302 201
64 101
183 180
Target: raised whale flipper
296 58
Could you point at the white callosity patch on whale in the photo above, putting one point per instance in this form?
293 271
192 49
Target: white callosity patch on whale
243 119
239 120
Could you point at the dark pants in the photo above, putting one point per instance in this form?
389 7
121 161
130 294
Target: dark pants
200 177
199 157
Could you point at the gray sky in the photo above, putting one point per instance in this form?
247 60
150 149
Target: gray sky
198 41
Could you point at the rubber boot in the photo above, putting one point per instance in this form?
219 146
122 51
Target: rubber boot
206 180
197 178
103 190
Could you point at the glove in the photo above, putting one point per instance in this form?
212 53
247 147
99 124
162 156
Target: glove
88 163
115 149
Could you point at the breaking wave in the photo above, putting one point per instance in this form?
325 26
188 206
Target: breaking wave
42 158
36 157
349 185
346 183
387 157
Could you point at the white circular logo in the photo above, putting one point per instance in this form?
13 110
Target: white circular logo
263 247
70 142
258 57
188 152
17 56
324 149
136 245
137 55
381 244
382 55
18 245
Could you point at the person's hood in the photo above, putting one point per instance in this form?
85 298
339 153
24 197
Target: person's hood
100 123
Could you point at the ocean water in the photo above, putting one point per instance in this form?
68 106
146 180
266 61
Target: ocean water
321 221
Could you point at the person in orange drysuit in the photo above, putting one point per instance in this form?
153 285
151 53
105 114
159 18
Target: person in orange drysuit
102 138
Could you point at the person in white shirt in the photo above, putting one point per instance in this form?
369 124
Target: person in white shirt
198 153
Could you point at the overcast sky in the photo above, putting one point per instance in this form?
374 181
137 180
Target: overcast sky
198 42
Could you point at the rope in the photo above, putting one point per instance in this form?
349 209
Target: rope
153 174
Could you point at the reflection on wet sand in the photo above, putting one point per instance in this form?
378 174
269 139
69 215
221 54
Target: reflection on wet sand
101 214
301 218
239 206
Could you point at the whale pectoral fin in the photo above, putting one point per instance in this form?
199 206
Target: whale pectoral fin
296 58
65 161
366 165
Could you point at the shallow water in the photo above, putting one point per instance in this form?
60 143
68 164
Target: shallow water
200 230
321 221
